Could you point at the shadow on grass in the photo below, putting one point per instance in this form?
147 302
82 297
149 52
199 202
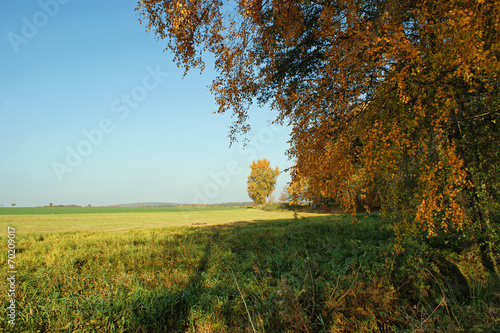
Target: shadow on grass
314 274
285 269
167 310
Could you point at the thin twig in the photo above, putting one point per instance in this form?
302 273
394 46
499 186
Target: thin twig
442 292
245 303
422 324
352 283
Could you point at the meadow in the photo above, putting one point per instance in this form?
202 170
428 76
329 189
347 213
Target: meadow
43 220
236 270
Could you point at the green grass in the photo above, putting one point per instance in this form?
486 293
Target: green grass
314 274
100 210
49 220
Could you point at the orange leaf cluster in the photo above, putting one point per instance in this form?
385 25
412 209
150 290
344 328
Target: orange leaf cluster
373 90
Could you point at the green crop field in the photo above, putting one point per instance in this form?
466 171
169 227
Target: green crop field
234 270
61 219
91 210
106 209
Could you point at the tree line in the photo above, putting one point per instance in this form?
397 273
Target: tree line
392 104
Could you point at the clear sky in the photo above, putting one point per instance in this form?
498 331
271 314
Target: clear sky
94 111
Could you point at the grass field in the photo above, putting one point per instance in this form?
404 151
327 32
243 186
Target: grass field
61 219
237 270
99 210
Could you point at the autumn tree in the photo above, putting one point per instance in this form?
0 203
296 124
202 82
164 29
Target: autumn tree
295 193
261 181
396 98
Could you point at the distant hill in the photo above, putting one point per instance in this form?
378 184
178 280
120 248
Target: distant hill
232 204
146 204
169 204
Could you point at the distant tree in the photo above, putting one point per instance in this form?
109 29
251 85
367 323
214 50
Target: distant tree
296 192
51 204
390 103
285 195
261 181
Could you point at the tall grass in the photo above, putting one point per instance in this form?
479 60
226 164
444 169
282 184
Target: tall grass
317 274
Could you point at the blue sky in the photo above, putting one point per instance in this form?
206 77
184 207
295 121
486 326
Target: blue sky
94 111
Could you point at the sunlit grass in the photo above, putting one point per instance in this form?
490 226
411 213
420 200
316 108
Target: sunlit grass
315 274
103 209
115 219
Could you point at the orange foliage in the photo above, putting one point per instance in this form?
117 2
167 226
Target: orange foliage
261 181
370 89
